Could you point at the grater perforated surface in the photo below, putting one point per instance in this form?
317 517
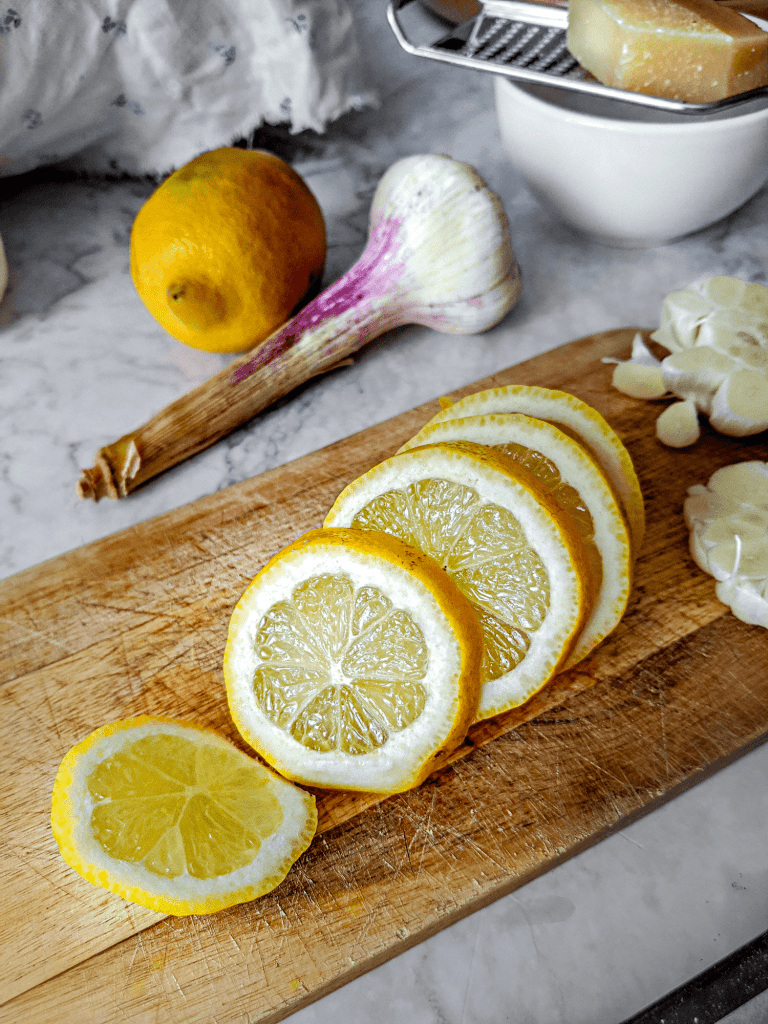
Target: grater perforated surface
527 42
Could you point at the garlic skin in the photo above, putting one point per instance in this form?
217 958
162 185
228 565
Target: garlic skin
717 334
728 524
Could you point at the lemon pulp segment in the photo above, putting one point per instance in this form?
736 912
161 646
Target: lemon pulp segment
566 496
482 546
340 667
177 806
175 818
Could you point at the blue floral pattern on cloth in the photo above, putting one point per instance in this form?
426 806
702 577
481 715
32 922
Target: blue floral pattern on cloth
143 86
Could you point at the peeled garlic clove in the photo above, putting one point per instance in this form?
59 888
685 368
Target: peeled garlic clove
695 374
723 291
744 482
740 405
639 381
703 504
678 425
755 300
639 376
751 525
747 602
752 558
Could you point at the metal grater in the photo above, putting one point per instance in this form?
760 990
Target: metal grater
527 43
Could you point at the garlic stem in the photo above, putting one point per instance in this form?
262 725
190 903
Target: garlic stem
438 254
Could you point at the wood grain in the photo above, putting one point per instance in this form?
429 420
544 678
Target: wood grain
137 622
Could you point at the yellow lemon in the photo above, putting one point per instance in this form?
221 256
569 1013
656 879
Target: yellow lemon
227 248
175 818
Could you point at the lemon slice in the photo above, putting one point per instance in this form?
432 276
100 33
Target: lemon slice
353 662
574 417
175 818
577 484
512 551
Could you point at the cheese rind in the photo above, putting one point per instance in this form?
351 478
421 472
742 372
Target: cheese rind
691 50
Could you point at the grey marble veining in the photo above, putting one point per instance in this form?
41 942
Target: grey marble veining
81 362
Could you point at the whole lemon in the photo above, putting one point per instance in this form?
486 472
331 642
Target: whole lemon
227 248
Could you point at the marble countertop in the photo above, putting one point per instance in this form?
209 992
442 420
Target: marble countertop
81 361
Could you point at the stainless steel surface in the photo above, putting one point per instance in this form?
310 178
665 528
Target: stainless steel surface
527 42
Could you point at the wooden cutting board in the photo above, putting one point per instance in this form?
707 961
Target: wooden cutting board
137 622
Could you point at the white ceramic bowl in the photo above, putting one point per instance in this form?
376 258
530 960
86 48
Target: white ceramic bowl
627 175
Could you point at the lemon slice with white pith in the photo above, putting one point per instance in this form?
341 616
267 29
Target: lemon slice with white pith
353 662
175 818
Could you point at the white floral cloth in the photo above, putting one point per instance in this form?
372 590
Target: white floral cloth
143 86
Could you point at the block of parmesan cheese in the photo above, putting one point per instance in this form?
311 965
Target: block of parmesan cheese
693 50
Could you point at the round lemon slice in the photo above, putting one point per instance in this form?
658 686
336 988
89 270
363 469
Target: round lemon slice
353 662
576 418
175 818
511 550
577 484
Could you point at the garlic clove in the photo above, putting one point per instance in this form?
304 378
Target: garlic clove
639 381
750 524
730 330
748 603
745 482
678 425
723 291
753 563
701 503
755 299
639 376
696 373
740 405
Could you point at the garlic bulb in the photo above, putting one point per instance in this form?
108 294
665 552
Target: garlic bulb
717 311
728 524
450 234
717 334
438 254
